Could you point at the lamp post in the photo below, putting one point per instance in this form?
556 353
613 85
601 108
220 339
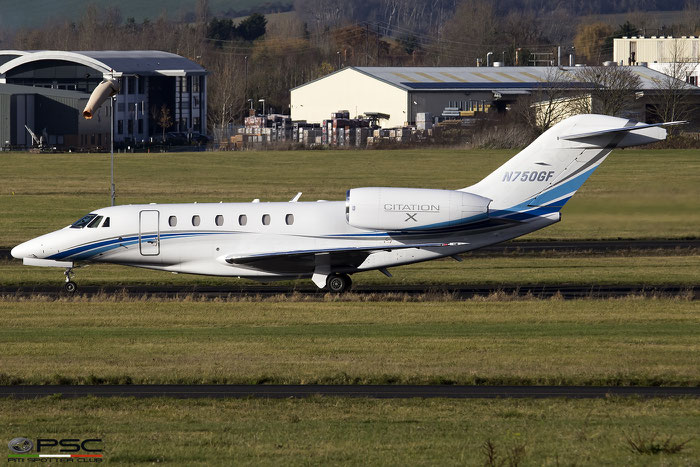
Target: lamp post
338 53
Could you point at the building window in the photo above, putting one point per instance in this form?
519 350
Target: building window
196 221
266 219
131 80
289 219
172 221
195 124
195 83
219 220
242 219
130 126
140 125
142 85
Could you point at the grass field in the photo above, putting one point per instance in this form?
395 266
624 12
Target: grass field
635 194
329 431
112 339
619 342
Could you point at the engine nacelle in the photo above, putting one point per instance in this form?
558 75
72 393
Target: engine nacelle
392 209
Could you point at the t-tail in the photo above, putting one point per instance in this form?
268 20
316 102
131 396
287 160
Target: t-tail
545 175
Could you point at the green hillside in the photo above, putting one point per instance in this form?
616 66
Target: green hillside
35 13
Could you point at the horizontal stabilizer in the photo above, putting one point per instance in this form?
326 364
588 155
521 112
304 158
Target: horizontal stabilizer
253 257
620 130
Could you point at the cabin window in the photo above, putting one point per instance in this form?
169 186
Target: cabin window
106 223
242 219
219 220
266 219
196 220
289 219
172 221
95 222
83 221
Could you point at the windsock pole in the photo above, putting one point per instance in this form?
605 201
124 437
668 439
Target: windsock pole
108 88
111 148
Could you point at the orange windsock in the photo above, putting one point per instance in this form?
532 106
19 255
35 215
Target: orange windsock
105 89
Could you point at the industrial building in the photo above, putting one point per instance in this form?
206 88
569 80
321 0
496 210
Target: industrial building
148 79
661 53
405 92
53 115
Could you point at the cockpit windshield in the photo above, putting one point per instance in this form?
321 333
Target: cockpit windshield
83 221
95 223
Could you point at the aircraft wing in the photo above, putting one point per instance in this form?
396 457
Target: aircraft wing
338 254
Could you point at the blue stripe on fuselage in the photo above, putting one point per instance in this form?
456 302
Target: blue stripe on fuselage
89 250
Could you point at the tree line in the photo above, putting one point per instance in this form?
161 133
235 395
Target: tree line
264 56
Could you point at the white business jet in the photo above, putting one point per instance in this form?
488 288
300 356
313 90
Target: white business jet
373 229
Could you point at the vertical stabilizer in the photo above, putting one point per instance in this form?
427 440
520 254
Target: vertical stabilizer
545 175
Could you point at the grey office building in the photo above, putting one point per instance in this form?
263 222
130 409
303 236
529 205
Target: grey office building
149 79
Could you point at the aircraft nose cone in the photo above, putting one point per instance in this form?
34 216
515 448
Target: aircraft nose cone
25 250
20 251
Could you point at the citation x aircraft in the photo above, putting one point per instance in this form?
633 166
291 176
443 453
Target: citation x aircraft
372 229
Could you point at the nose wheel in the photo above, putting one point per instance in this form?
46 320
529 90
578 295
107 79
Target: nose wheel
70 286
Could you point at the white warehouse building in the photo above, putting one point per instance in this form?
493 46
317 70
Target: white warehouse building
670 55
403 92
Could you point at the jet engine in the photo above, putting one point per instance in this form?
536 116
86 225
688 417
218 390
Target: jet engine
392 209
107 88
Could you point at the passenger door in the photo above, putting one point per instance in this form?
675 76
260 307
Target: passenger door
149 233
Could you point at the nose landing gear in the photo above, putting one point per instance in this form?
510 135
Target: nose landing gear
69 286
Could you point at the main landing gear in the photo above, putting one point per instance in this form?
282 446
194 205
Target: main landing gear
69 286
338 283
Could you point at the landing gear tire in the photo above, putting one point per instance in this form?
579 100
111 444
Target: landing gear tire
338 283
69 286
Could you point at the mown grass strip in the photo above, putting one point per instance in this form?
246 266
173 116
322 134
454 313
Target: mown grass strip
620 342
364 431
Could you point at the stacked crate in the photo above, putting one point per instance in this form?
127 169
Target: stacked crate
424 121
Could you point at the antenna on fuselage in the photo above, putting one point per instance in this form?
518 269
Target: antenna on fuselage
296 198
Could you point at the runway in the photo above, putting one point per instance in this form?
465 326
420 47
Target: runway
418 291
368 391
